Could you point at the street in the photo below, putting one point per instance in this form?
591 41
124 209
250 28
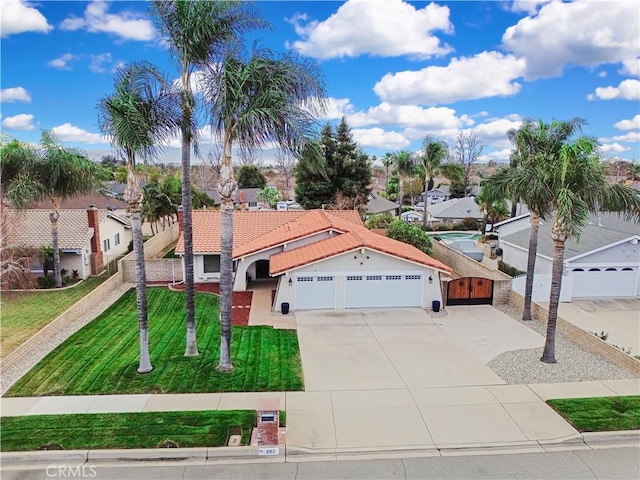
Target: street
605 463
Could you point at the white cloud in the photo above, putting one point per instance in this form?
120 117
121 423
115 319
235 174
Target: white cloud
409 116
527 6
196 80
632 124
126 25
581 33
70 133
631 67
487 74
612 147
627 90
96 64
499 156
336 108
628 137
378 138
19 17
14 94
495 130
22 121
388 28
62 62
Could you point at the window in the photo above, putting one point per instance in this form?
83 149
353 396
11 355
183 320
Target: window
374 277
305 279
627 269
325 279
578 270
211 263
354 277
594 269
611 269
106 244
393 277
116 239
412 277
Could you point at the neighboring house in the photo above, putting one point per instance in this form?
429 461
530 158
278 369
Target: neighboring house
284 205
437 195
604 262
246 198
412 217
322 260
377 204
82 202
87 238
454 210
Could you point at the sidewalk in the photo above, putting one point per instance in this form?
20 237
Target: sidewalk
334 422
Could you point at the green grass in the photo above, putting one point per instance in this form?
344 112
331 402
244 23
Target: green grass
124 430
600 414
24 313
102 358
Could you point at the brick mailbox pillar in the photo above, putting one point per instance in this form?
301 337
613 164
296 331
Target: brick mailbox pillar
268 421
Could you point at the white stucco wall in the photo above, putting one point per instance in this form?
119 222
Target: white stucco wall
517 257
370 262
108 229
514 226
74 261
623 255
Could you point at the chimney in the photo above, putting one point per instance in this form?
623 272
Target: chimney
180 219
96 259
243 198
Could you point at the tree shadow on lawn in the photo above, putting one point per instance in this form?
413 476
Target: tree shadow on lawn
102 357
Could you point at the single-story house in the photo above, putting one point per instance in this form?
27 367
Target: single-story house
246 198
87 238
377 204
412 216
321 259
604 262
288 205
454 210
437 195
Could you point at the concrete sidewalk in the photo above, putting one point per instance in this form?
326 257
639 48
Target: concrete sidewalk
375 420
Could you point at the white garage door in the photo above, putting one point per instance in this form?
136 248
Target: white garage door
364 291
315 292
604 282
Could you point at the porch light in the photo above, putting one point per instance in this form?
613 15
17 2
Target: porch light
430 279
290 282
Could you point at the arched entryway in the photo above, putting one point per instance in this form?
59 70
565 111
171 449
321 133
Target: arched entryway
262 270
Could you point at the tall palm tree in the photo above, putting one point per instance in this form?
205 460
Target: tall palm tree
492 205
141 113
579 187
55 173
536 144
196 31
388 161
253 101
433 153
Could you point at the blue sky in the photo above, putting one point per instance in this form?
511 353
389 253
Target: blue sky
397 70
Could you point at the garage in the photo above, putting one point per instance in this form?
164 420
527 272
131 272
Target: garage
604 282
383 290
315 292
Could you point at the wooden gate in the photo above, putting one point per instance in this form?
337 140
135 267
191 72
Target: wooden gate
470 291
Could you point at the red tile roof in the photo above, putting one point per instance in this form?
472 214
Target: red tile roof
254 231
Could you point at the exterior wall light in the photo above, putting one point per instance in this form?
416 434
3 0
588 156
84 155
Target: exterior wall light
290 282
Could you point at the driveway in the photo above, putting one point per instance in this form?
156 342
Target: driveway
397 379
406 348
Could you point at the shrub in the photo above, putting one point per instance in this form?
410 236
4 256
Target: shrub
471 223
74 274
46 282
509 270
380 220
411 234
63 272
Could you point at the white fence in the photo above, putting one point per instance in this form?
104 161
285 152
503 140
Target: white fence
542 287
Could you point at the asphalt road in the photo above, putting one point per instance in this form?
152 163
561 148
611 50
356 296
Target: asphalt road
622 463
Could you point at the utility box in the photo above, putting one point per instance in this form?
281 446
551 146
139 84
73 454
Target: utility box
268 421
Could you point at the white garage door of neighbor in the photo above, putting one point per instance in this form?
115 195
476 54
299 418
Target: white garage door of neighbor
364 291
315 292
603 282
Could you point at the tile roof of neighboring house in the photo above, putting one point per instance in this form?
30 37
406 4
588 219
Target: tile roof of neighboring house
378 204
82 202
604 229
258 230
32 228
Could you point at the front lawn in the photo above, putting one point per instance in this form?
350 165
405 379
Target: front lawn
102 357
124 430
24 313
600 414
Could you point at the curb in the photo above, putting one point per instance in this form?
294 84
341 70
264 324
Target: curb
212 455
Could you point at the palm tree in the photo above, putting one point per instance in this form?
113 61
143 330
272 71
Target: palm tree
433 153
253 101
579 187
142 112
405 166
55 173
388 160
196 31
493 207
535 145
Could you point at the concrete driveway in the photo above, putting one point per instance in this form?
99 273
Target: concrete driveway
406 348
397 379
